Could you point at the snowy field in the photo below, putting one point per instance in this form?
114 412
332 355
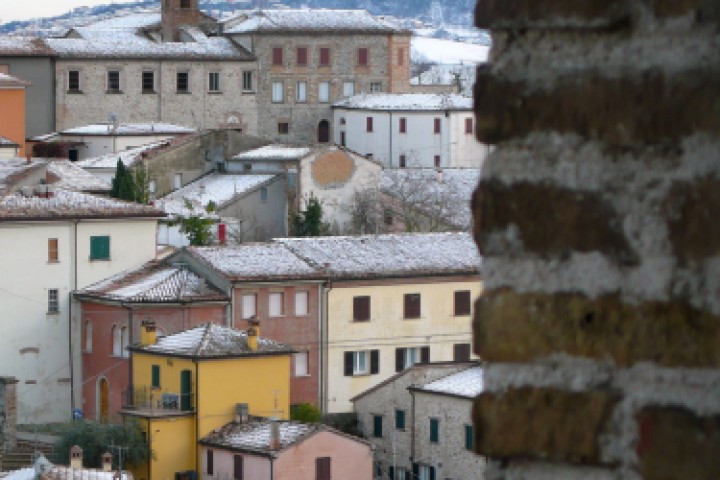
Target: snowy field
439 51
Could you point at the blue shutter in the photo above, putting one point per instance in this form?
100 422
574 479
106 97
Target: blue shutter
469 437
434 429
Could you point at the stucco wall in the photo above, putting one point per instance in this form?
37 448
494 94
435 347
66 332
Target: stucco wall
40 98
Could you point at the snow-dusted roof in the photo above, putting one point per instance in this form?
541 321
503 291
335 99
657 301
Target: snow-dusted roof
324 20
129 129
128 157
254 435
406 102
8 81
7 143
212 341
274 152
220 188
69 176
256 261
468 383
65 204
48 471
14 170
372 256
24 46
441 51
132 22
446 194
155 283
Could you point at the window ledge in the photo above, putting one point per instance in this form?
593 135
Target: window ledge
114 92
306 375
100 259
53 262
75 92
213 92
183 92
149 92
53 313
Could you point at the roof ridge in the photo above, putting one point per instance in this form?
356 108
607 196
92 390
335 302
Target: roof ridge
205 339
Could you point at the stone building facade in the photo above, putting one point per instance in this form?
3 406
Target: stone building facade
596 220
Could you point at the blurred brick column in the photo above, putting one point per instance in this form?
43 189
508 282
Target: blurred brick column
8 412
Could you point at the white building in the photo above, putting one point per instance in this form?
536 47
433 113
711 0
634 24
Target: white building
419 422
54 242
410 130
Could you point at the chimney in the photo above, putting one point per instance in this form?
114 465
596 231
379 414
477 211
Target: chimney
148 335
107 462
76 454
241 412
253 333
274 434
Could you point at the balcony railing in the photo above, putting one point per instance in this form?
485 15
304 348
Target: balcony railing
161 400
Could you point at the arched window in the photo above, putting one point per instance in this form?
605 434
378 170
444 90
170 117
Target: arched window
88 336
124 342
117 341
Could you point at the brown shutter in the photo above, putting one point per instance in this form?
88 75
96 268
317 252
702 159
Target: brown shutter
369 123
403 124
322 468
238 467
462 302
461 352
324 56
209 463
468 125
425 355
363 56
361 309
412 305
374 361
277 56
437 125
302 56
348 364
399 359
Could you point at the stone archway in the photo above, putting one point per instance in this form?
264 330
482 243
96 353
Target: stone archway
324 131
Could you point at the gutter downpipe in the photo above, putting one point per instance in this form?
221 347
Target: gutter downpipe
131 384
324 327
70 320
390 132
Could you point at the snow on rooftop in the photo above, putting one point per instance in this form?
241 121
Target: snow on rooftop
436 50
467 383
255 261
57 472
133 21
14 170
10 81
67 204
220 188
407 101
6 142
310 19
274 152
255 435
67 175
212 340
370 256
127 157
129 129
155 283
22 46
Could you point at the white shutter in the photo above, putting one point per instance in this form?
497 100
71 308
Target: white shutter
276 304
248 305
301 303
301 364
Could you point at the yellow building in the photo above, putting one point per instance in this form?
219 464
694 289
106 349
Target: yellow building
188 384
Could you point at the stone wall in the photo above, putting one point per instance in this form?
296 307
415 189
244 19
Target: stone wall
596 216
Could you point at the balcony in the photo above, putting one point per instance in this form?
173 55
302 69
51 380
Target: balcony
157 401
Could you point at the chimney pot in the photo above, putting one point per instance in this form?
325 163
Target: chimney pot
148 334
76 457
253 333
241 413
107 462
274 435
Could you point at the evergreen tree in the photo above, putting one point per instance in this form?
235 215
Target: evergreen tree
123 184
309 223
94 438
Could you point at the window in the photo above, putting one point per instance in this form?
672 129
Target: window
324 57
403 125
369 124
361 309
461 352
276 304
277 92
88 337
238 467
53 301
348 89
436 125
152 186
469 125
100 247
400 419
52 250
263 194
301 304
148 82
322 468
116 341
74 80
124 342
400 56
412 305
183 82
301 364
376 87
436 161
377 426
363 57
343 139
403 161
434 430
409 356
248 305
399 473
277 56
362 362
113 81
177 180
283 128
423 472
388 216
155 375
301 92
462 302
324 92
247 81
209 462
184 3
302 56
469 437
214 81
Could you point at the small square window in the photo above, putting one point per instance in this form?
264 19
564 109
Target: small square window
148 81
412 305
184 3
100 247
376 87
53 301
361 309
283 128
214 82
462 302
183 82
74 80
113 81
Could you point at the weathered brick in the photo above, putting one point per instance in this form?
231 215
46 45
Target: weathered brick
676 444
514 327
550 220
692 210
544 423
633 109
528 13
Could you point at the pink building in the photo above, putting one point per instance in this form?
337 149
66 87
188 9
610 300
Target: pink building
174 297
262 449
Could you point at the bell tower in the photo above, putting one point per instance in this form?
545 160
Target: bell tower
175 13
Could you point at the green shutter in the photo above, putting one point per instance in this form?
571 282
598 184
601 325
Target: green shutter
156 376
400 419
100 248
434 429
469 437
377 426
